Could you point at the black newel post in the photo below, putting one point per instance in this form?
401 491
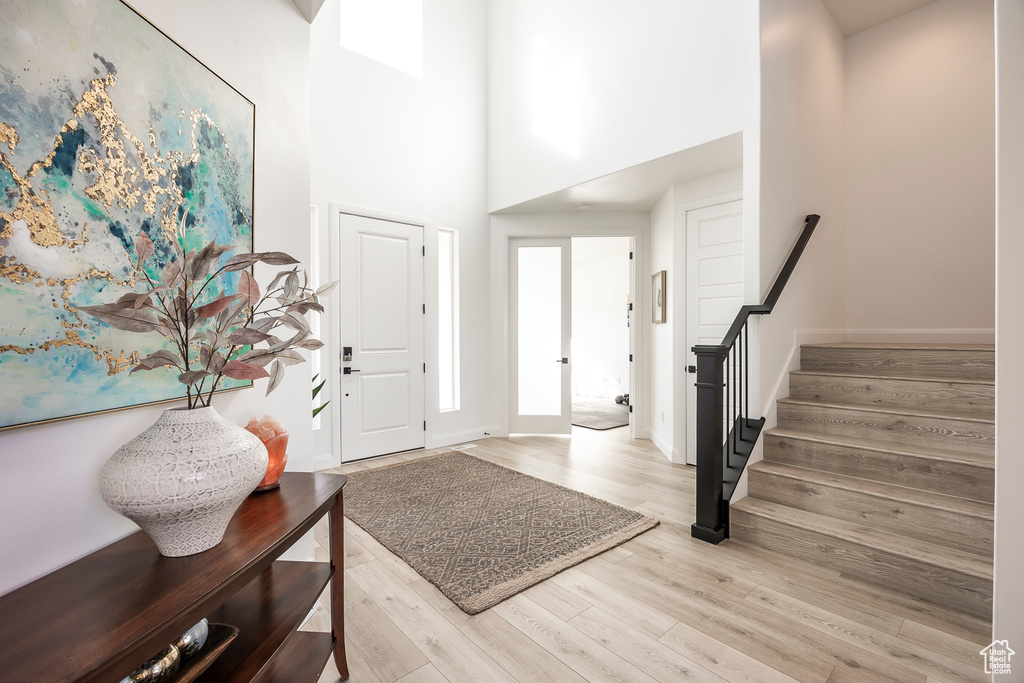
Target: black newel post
712 515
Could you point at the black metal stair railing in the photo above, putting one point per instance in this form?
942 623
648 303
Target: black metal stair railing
726 433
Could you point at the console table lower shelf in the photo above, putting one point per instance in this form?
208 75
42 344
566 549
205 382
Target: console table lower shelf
101 617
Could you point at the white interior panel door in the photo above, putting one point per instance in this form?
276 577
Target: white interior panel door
714 288
541 311
382 384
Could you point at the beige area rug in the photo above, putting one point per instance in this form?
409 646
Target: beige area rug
482 532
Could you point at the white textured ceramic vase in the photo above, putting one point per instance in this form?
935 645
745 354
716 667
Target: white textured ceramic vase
182 479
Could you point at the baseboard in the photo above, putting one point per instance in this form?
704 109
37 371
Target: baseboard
453 438
665 449
324 461
928 336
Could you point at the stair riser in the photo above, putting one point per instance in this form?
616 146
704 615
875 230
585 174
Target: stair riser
978 365
940 476
941 586
972 400
930 432
943 527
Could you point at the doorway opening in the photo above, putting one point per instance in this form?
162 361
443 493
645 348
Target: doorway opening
570 335
601 317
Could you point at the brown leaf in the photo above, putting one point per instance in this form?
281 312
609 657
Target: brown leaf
238 370
326 289
259 357
276 375
248 288
130 300
290 357
171 273
158 359
231 316
296 322
143 247
215 307
311 344
127 319
206 257
246 336
217 362
291 286
276 258
304 307
193 376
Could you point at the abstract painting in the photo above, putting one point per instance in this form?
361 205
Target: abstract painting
108 128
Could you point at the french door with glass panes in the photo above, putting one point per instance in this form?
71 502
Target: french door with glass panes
540 273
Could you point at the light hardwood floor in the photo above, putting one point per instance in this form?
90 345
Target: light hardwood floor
661 607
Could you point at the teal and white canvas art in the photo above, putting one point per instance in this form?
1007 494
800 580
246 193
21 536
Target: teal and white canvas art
107 129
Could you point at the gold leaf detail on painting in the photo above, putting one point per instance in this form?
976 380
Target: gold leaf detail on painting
120 363
35 209
8 135
16 349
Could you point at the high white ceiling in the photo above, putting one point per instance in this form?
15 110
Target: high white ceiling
639 188
854 16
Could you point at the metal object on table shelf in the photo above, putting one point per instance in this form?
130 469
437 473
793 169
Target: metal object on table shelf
160 669
192 641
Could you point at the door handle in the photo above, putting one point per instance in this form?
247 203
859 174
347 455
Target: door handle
348 371
562 360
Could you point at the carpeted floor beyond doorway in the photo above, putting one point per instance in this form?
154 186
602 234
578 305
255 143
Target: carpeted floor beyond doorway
600 414
481 532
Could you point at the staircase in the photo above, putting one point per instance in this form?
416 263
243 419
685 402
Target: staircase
882 466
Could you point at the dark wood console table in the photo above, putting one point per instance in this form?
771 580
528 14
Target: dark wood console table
106 614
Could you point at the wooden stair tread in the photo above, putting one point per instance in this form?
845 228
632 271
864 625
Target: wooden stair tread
914 550
901 346
899 494
909 378
905 412
983 461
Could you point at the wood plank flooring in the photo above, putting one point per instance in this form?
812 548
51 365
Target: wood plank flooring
661 607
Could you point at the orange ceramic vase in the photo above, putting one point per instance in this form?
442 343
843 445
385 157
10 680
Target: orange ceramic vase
277 447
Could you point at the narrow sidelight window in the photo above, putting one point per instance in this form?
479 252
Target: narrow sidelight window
448 318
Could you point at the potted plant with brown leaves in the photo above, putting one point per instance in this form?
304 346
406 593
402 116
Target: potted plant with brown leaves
182 479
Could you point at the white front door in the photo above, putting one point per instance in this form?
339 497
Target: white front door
382 385
714 288
541 321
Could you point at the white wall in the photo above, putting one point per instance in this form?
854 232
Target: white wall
920 171
801 172
655 77
387 142
600 300
662 368
51 503
1008 602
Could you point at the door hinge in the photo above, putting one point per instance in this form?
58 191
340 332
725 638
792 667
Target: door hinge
424 250
424 309
630 256
631 407
424 425
630 358
631 306
424 367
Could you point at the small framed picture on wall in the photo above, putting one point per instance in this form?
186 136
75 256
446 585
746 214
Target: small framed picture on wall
658 297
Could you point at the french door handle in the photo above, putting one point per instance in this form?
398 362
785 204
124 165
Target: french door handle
348 371
562 360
